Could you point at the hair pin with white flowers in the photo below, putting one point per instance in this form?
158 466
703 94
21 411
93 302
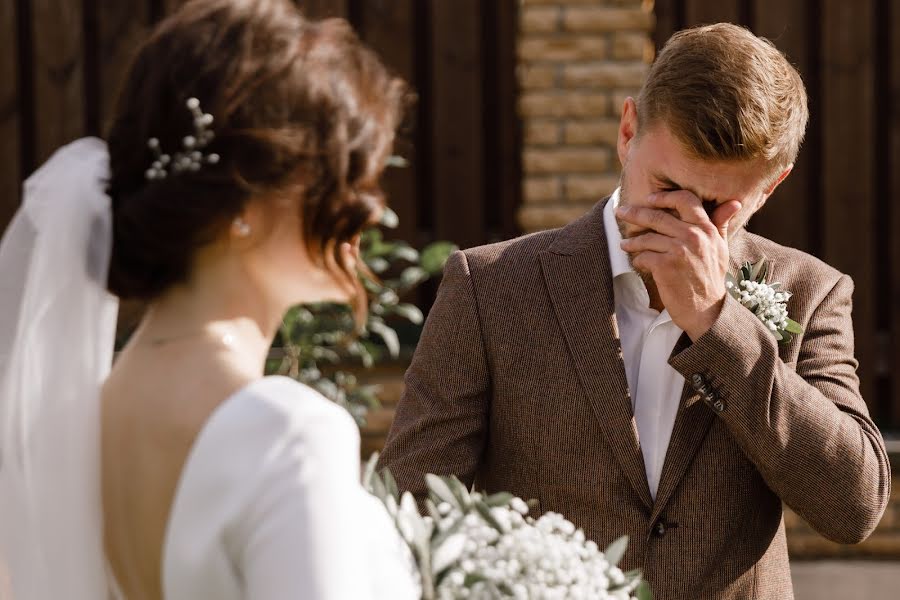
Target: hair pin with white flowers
192 157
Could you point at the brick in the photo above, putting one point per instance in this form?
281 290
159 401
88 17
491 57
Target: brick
594 19
540 19
605 75
566 160
590 187
539 217
605 131
542 132
632 46
538 190
544 104
563 48
535 77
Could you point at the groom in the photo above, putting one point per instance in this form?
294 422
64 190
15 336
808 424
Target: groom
604 370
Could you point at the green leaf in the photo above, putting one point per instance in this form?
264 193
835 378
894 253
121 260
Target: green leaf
390 485
794 327
410 312
405 252
616 550
462 494
435 256
369 471
396 161
378 265
757 269
485 513
438 487
413 276
499 499
390 337
389 218
643 591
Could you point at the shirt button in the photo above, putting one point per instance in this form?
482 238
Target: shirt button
719 405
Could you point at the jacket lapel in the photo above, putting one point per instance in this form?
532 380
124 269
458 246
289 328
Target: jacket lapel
694 418
579 280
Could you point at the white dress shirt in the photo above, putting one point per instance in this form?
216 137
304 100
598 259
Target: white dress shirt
647 338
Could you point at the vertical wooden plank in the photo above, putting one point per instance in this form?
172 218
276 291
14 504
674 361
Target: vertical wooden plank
701 12
892 121
848 175
320 9
669 19
785 218
9 115
387 27
502 135
123 26
58 74
457 144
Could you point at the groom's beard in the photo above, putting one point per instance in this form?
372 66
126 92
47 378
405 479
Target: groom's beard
625 201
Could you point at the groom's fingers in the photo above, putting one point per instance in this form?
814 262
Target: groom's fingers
723 214
653 219
686 204
652 242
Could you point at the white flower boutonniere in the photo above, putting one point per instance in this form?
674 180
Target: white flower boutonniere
767 300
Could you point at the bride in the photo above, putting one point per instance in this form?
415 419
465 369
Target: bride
242 164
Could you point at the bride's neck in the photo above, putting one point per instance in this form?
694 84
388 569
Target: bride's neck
223 311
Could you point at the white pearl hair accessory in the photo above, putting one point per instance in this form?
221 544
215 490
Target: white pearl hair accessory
191 158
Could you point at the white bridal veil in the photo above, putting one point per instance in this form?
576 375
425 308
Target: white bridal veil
57 328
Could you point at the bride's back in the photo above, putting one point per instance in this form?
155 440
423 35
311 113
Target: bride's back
155 403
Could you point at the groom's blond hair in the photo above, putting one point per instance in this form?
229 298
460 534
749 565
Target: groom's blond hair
727 95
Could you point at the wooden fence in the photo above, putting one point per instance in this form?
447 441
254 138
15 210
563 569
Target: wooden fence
841 202
61 63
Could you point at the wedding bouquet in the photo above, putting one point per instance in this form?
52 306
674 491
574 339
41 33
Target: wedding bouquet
486 547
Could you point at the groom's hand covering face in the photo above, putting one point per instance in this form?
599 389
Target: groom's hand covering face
675 214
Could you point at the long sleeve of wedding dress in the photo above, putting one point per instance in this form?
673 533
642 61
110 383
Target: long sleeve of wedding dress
269 507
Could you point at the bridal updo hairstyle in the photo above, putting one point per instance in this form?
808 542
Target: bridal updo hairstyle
301 109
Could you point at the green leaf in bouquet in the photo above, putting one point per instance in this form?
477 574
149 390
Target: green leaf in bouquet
390 337
369 471
462 494
616 550
435 256
441 491
378 488
485 513
390 485
433 512
793 327
448 553
642 592
499 499
758 271
746 271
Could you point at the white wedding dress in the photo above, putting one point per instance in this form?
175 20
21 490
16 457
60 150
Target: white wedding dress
269 504
269 507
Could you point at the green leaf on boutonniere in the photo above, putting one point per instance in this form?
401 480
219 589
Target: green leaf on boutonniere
768 301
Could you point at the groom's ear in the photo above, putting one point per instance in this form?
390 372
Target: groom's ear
774 185
628 128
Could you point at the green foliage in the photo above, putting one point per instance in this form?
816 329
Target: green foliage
316 340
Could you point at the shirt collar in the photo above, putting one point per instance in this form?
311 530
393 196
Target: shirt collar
618 258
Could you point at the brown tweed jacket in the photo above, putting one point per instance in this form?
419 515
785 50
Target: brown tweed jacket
518 384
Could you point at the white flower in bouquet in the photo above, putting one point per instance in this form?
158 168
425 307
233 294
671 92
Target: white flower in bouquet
486 547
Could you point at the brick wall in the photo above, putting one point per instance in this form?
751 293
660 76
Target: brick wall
578 61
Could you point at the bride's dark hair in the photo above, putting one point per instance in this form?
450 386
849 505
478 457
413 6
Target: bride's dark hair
301 109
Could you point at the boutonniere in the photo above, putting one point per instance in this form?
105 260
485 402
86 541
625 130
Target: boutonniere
767 300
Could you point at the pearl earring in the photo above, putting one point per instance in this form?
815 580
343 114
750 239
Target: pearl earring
241 227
